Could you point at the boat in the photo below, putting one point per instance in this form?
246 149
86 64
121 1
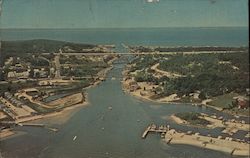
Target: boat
110 107
163 135
74 137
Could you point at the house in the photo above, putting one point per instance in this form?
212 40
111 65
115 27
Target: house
133 86
18 75
9 61
40 73
241 102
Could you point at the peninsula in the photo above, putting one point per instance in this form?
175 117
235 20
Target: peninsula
42 78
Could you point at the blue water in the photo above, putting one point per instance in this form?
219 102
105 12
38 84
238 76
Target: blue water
237 36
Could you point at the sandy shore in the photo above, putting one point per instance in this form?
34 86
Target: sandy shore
230 127
61 117
64 115
53 118
171 99
222 145
178 120
206 103
6 133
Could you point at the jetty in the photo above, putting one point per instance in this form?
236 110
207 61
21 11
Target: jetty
39 125
31 124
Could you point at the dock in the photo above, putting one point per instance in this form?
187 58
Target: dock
229 145
145 133
153 128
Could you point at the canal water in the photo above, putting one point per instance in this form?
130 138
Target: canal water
116 133
103 132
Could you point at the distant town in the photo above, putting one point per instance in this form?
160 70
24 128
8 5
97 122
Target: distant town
37 79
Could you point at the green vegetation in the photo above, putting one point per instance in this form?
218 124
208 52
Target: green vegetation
39 109
14 86
227 103
145 77
224 101
143 62
211 74
90 69
37 61
41 46
28 47
193 118
29 62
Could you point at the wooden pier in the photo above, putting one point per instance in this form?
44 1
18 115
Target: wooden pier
153 128
145 133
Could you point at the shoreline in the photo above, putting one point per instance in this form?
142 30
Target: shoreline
10 134
222 145
230 127
65 114
143 98
181 121
202 104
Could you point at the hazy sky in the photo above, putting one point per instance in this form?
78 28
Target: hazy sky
122 13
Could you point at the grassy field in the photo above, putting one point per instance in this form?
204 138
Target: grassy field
223 101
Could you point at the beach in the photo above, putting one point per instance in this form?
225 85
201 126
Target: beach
223 145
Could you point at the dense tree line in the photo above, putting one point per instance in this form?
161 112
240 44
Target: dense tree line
39 46
187 49
211 74
193 118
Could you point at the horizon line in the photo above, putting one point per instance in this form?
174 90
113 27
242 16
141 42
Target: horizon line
47 28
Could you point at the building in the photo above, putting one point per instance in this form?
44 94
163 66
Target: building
12 99
40 73
241 102
18 75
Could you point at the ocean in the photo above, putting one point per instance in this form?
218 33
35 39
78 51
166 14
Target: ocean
228 36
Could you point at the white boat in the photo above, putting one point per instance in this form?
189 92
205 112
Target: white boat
74 137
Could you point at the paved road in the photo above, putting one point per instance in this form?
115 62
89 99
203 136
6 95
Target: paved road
57 64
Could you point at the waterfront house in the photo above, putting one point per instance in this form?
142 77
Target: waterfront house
241 102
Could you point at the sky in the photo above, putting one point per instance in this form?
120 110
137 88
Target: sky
123 13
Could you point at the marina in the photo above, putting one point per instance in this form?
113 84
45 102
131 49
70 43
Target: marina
153 128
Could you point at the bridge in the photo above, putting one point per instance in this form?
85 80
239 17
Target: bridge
108 53
142 53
